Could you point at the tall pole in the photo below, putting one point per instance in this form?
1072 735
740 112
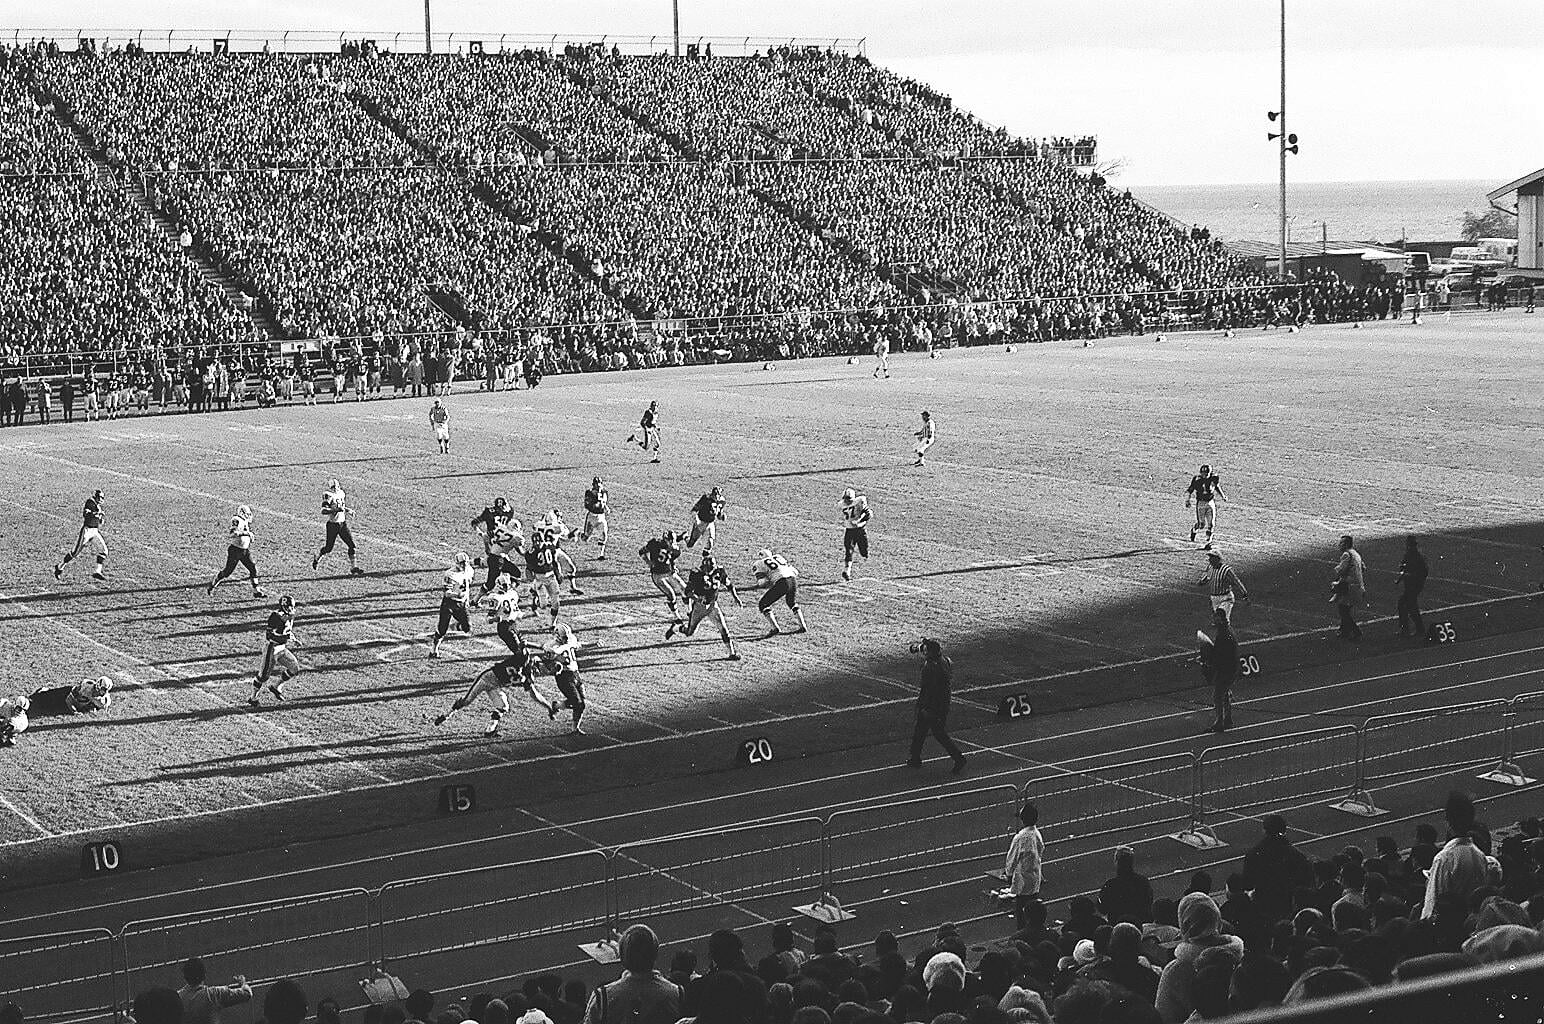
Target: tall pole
675 19
429 38
1282 263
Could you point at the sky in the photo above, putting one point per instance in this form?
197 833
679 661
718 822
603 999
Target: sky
1378 90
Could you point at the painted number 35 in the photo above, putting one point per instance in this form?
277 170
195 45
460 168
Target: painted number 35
1442 633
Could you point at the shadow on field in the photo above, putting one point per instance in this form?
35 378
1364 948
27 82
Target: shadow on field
591 468
323 462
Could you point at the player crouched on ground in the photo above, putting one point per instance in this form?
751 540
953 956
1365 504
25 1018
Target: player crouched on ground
702 586
84 697
782 581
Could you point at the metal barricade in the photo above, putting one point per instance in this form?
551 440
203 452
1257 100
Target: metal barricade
1275 770
63 977
884 840
1435 741
506 906
301 937
1525 733
724 869
1108 799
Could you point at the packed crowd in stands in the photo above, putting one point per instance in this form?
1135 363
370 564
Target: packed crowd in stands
498 109
404 209
685 241
1282 930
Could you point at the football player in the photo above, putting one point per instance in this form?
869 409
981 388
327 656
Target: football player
925 437
855 520
277 657
439 422
516 670
455 599
661 553
84 697
562 653
702 586
782 585
335 508
544 571
238 551
13 719
596 504
505 546
1206 489
648 425
881 355
93 517
707 513
489 519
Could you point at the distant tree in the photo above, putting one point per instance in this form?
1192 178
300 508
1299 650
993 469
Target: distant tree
1490 224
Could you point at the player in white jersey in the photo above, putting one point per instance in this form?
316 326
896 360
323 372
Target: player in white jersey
925 437
782 585
597 502
562 654
454 601
881 356
439 420
277 658
89 539
515 671
855 520
238 551
335 510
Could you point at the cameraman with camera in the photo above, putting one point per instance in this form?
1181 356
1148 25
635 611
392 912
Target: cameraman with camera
933 704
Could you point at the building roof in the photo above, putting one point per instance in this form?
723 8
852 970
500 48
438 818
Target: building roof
1311 250
1513 186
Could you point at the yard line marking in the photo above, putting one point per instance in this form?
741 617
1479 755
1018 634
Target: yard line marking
24 816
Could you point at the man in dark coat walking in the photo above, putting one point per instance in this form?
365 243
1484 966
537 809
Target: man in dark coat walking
1219 663
1412 578
1273 868
933 704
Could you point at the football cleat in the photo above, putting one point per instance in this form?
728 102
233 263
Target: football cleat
440 719
274 689
58 571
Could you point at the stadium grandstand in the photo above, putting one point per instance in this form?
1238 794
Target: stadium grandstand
182 230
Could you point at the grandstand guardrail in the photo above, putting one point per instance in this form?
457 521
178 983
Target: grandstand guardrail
1089 802
300 936
504 905
689 884
63 977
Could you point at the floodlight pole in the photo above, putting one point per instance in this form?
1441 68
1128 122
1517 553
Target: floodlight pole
428 36
1282 263
675 21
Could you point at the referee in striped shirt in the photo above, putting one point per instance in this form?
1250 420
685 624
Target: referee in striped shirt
1222 583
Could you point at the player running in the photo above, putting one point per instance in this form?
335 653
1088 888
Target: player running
238 551
648 426
505 547
516 670
544 559
707 513
661 554
562 653
487 522
439 422
335 508
93 517
277 657
597 502
925 437
702 586
881 356
782 585
1206 490
855 520
454 601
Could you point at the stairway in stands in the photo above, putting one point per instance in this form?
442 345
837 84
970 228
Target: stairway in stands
129 185
497 205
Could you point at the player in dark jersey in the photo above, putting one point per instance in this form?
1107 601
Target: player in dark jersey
597 502
277 658
648 433
708 513
702 588
1206 489
544 560
93 517
661 553
517 671
488 520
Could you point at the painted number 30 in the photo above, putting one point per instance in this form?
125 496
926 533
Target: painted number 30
1249 666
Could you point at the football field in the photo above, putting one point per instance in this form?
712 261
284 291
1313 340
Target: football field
1046 537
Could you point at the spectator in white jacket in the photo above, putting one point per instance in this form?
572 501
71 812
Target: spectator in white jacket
1023 867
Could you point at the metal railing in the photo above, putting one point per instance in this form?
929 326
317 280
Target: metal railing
685 885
